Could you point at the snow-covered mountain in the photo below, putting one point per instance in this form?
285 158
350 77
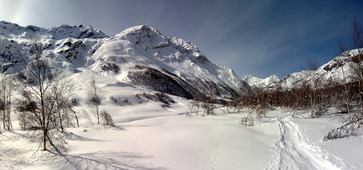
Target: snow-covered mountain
341 69
258 84
139 55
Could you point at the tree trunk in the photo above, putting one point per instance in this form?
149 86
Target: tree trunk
44 139
98 115
61 121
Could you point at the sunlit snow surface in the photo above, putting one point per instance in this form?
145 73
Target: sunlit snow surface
148 136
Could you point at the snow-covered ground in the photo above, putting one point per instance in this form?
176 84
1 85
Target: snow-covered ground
152 137
148 135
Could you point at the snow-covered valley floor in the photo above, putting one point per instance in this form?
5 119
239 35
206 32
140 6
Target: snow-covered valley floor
175 141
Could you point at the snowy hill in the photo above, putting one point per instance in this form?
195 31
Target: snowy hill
139 55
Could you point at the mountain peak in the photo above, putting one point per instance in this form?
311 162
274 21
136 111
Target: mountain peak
138 32
140 55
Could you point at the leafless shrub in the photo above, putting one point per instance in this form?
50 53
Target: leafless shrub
193 107
259 111
208 107
248 120
106 118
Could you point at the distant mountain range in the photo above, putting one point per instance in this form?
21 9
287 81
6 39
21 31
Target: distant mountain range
140 55
144 57
341 69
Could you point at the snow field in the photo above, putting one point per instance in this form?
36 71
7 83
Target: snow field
149 136
174 141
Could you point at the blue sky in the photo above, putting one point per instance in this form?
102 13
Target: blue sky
258 38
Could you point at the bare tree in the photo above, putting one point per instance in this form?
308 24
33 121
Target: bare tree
42 93
94 100
192 108
194 105
5 101
208 98
343 52
312 85
61 93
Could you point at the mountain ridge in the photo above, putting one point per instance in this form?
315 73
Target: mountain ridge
138 55
338 71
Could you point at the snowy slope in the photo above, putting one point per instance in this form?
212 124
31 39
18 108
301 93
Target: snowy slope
164 139
139 55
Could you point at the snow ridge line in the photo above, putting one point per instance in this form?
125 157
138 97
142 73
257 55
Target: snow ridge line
296 152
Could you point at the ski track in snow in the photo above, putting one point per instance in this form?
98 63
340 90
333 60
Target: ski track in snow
294 151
